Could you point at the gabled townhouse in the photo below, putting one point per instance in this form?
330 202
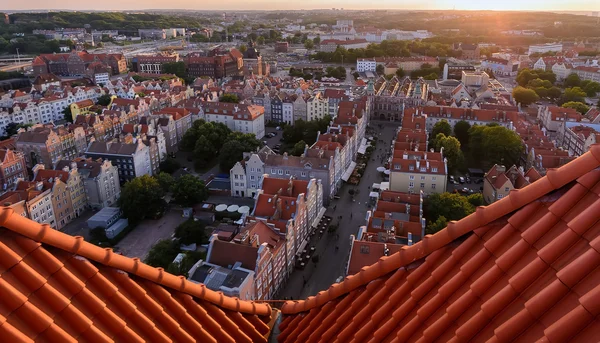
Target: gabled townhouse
551 118
35 198
334 97
246 175
131 159
305 168
395 221
238 117
12 168
259 247
61 182
454 115
100 180
276 109
317 107
573 136
498 182
48 146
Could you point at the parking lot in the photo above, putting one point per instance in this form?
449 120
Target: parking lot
275 140
467 186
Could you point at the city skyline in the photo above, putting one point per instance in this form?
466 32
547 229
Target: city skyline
516 5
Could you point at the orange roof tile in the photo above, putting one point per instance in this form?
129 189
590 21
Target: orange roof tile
60 288
525 268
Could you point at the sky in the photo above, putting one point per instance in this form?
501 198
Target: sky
543 5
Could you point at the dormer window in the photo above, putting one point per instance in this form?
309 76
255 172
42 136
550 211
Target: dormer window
411 168
434 169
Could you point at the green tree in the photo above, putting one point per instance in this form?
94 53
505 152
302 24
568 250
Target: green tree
233 150
591 88
309 44
317 40
189 190
260 40
461 132
438 225
573 80
165 180
67 115
298 148
431 76
141 198
243 48
573 94
104 100
578 106
553 93
476 199
451 206
525 96
169 165
176 68
162 253
400 72
191 231
441 126
380 69
451 148
501 146
228 97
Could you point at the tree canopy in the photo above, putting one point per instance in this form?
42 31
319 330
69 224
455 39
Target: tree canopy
104 100
205 139
162 253
305 131
228 97
141 198
189 190
573 80
165 180
439 208
233 150
573 94
169 165
451 148
578 106
441 126
524 95
491 145
461 132
191 231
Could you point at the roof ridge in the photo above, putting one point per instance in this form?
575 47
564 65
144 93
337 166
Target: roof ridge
517 198
77 245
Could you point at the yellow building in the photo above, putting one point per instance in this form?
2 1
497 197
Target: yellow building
81 108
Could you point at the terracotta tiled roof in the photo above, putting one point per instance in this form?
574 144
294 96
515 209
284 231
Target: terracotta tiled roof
59 288
292 188
524 268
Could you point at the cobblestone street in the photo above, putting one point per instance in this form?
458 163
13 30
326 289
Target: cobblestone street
332 263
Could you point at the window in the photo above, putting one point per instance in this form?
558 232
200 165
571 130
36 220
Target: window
506 189
411 167
434 169
434 178
422 178
364 249
252 177
422 185
500 196
411 177
280 172
433 186
303 174
411 184
287 172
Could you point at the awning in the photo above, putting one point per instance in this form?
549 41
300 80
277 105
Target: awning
363 146
349 171
373 195
384 186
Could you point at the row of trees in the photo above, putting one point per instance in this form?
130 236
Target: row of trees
485 145
445 207
535 84
215 141
144 196
297 136
164 252
387 49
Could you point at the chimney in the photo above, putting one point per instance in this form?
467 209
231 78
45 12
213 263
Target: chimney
285 155
39 186
418 164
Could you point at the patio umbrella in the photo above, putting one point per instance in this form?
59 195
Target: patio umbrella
381 169
221 208
233 208
244 209
387 172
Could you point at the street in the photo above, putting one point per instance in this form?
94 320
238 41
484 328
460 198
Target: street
332 262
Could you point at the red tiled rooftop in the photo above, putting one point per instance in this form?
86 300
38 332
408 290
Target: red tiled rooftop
525 268
59 288
291 188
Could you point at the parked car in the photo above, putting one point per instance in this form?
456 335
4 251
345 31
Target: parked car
468 179
461 179
452 178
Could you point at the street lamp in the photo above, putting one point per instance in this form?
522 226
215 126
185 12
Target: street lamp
18 57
